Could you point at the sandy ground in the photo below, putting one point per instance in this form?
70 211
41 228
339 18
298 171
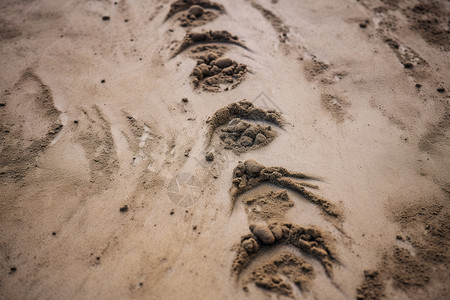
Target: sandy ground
119 180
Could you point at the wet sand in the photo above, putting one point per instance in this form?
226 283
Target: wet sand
229 150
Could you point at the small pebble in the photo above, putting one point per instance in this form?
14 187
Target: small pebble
209 156
263 233
196 10
223 62
408 66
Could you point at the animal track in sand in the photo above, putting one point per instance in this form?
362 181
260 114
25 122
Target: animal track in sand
314 68
274 20
290 267
29 122
334 105
429 19
318 70
418 16
237 133
268 206
426 228
250 174
268 238
407 56
93 132
208 37
140 138
283 271
240 135
214 73
195 12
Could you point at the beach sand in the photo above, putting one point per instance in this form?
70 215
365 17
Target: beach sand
233 150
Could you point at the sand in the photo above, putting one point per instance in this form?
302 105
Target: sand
195 149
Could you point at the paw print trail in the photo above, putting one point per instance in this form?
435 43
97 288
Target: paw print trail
250 174
242 127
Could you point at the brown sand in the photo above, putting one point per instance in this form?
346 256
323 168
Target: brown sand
268 206
250 174
266 237
117 156
215 73
295 269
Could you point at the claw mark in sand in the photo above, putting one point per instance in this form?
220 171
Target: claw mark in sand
407 56
250 174
94 135
240 135
137 135
336 106
29 122
275 21
195 12
209 37
264 238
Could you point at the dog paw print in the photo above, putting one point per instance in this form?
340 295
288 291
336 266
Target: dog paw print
282 269
235 125
251 174
213 72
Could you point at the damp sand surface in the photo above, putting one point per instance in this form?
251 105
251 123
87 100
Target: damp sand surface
196 149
